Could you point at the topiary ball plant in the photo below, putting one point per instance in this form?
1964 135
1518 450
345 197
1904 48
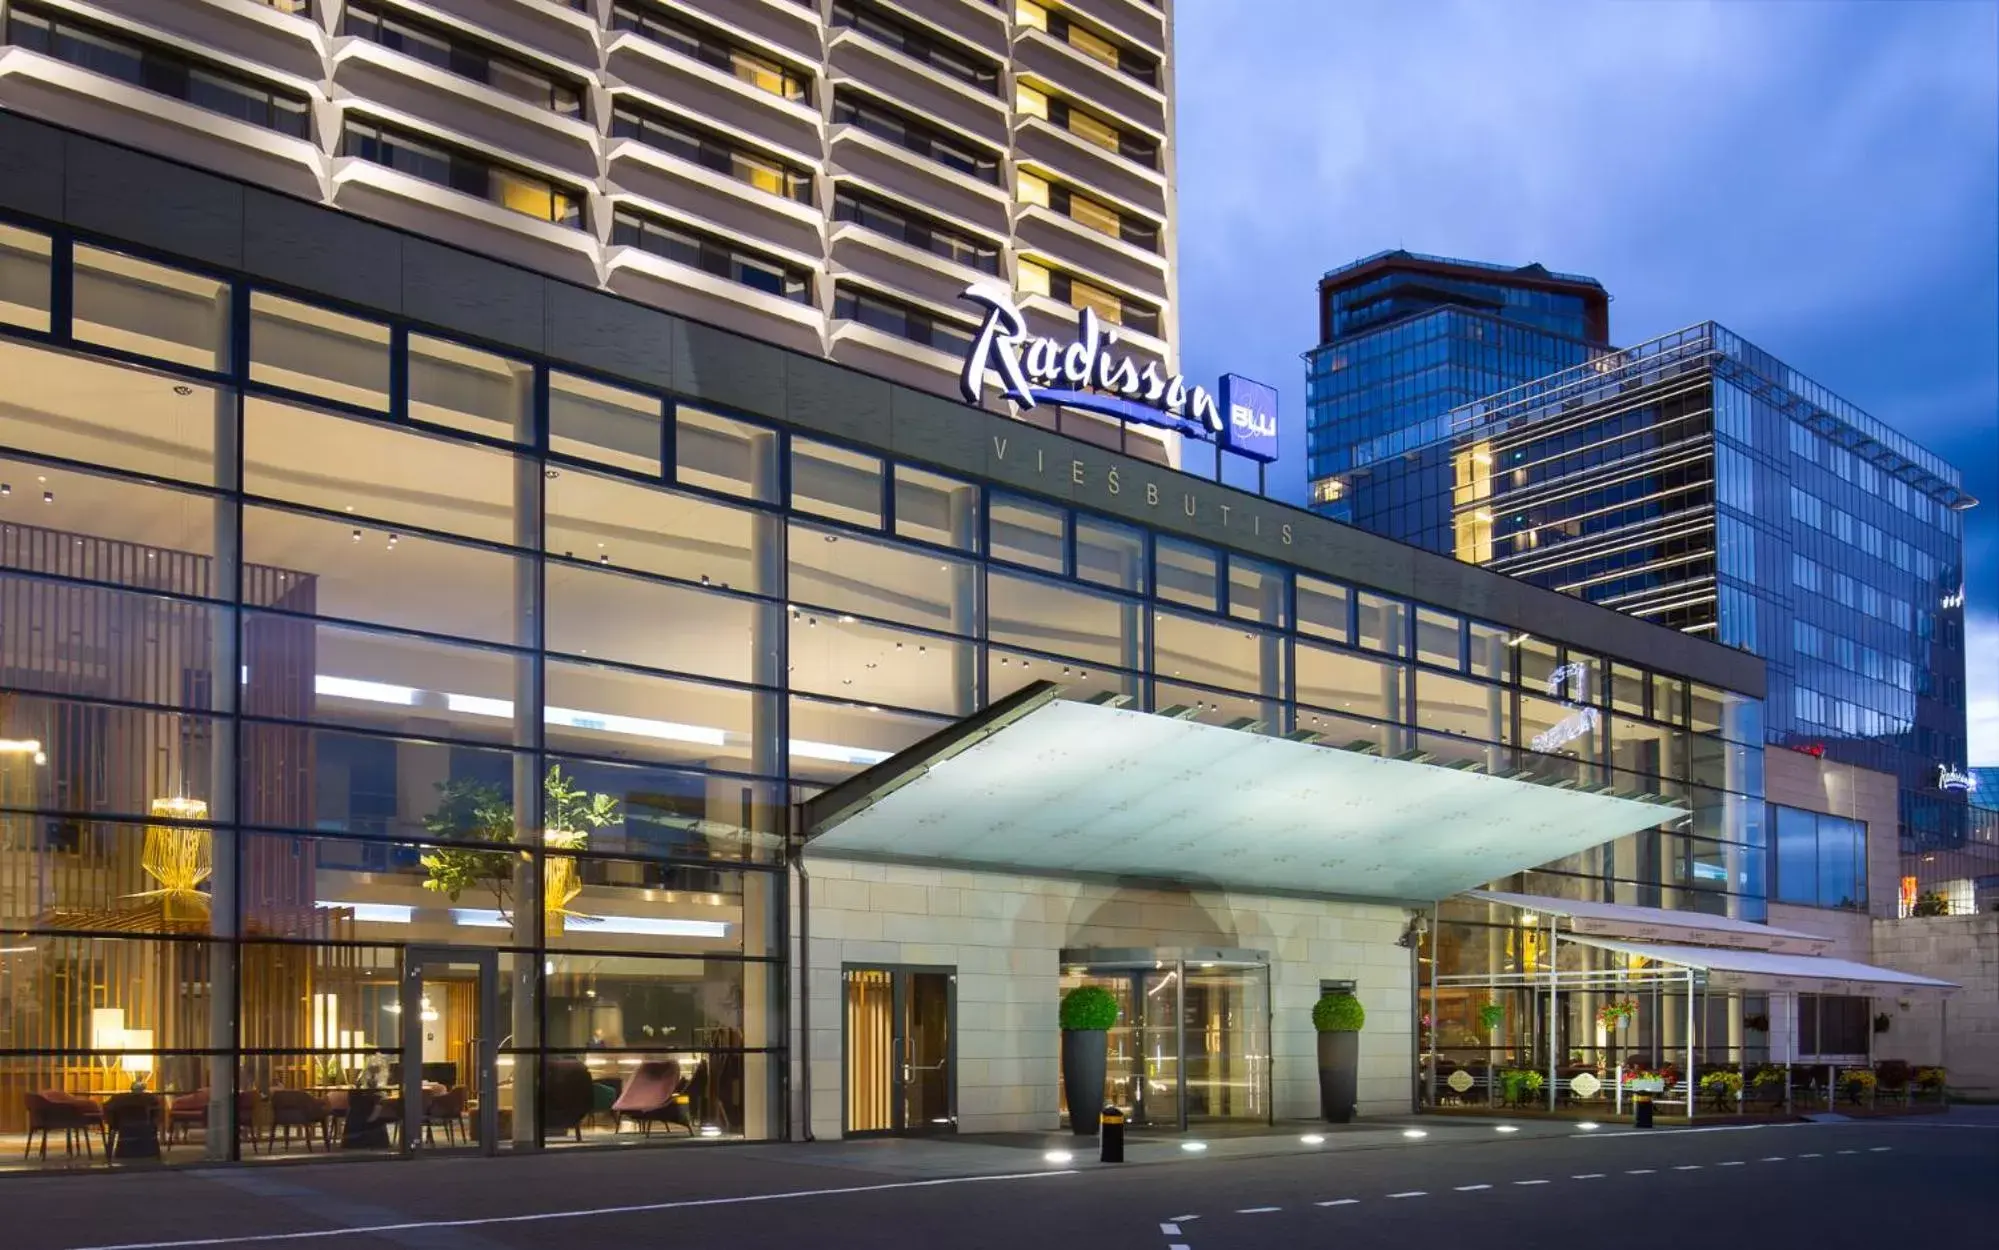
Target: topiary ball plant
1338 1013
1088 1008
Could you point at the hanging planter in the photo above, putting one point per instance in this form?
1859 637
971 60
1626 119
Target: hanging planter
1491 1016
1615 1015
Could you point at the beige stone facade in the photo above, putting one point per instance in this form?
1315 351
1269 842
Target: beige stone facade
1003 934
1962 1033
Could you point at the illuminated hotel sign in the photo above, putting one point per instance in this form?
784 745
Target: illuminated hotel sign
1571 679
1086 374
1949 778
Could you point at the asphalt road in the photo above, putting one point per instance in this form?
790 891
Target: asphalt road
1874 1184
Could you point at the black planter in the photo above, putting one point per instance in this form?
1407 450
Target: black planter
1339 1073
1083 1078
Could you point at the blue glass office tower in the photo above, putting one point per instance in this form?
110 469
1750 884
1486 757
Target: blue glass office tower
1405 338
1699 482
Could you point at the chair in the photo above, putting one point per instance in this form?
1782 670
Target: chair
132 1126
447 1109
296 1109
649 1096
568 1098
53 1109
187 1113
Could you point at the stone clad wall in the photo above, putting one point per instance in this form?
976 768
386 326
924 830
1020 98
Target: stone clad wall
1962 1034
1004 933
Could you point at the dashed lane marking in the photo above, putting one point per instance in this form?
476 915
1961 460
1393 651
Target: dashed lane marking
1875 1150
1530 1182
1811 1154
1773 1158
1638 1172
1256 1210
1337 1202
1587 1176
1170 1230
1846 1152
1688 1167
1465 1189
1411 1193
1732 1163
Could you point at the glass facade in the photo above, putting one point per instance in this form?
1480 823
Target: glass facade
1698 482
1405 340
342 655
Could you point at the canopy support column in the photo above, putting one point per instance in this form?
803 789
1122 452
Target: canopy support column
1554 1028
1690 1046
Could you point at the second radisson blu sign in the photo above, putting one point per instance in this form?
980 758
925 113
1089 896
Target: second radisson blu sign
1086 374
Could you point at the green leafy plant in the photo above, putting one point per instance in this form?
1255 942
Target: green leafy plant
1338 1013
1768 1074
1088 1008
478 812
1491 1016
1616 1014
1930 1078
1520 1083
1731 1082
1931 903
1856 1078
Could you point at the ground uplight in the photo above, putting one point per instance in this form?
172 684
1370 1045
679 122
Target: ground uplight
1313 1139
1193 1147
1059 1156
1413 1133
1505 1128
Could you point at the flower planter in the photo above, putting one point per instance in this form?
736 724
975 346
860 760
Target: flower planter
1339 1076
1083 1059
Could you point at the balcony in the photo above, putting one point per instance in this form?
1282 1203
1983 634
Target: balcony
1054 319
1136 20
468 220
1075 159
941 188
930 93
727 204
464 106
704 90
693 292
1124 99
1091 252
70 96
245 28
549 27
785 24
902 267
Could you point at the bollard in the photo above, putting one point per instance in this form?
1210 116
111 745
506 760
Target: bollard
1641 1111
1111 1126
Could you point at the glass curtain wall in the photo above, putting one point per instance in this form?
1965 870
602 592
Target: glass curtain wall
329 641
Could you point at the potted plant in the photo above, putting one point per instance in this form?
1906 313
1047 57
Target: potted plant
1491 1016
1614 1015
1519 1085
1088 1012
1930 1080
478 812
1338 1017
1723 1090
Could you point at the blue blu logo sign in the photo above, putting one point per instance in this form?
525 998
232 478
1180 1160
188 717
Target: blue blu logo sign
1250 411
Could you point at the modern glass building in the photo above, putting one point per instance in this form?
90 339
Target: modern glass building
1697 481
1404 339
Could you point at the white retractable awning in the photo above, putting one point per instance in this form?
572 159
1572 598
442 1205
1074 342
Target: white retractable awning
1655 924
1051 786
1764 971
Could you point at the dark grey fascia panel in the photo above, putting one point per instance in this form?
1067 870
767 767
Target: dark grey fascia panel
202 215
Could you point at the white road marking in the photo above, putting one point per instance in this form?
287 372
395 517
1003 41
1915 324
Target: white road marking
1688 1167
1875 1150
1811 1154
1182 1219
1732 1163
1847 1152
1773 1158
1410 1193
539 1217
1256 1210
1465 1189
1170 1230
1337 1202
1638 1172
1587 1176
1530 1182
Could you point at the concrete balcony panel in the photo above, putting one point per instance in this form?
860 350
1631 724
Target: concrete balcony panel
784 24
891 263
468 221
919 179
546 27
1054 319
68 96
723 203
1122 98
291 42
931 95
974 22
705 297
1142 23
1092 253
1089 166
897 359
704 91
367 71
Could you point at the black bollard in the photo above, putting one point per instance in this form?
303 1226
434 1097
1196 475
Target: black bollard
1111 1124
1641 1111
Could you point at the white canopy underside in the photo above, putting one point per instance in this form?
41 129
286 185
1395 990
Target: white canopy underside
1654 924
1765 971
1089 789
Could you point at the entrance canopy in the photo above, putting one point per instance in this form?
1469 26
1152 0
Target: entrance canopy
1768 971
1655 924
1039 784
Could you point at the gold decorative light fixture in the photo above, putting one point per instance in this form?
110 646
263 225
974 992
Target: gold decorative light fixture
179 859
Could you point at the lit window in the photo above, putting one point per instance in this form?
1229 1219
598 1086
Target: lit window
1031 189
1032 279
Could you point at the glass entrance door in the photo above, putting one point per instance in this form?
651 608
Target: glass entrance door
901 1042
448 1076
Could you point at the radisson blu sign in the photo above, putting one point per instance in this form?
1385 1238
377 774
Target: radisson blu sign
1086 374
